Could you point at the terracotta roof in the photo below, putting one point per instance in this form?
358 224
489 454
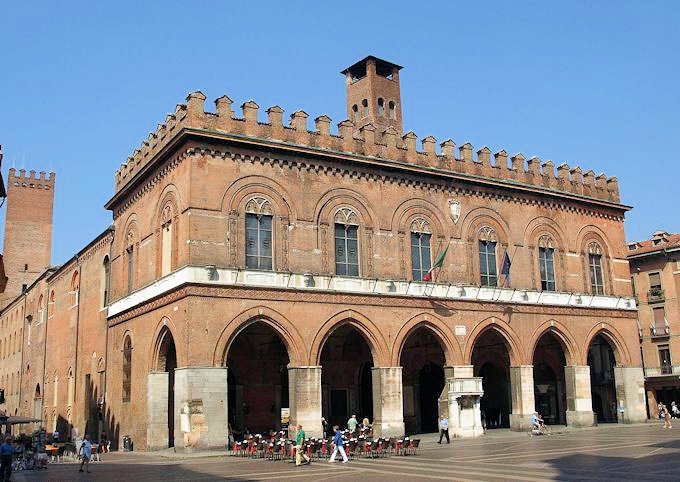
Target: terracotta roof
661 242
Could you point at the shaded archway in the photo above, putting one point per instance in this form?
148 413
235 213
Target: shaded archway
257 362
602 379
491 361
422 358
346 376
550 398
166 361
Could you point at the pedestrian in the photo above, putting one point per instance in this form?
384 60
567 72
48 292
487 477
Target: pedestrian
443 429
666 418
352 424
104 443
675 412
339 446
6 452
86 453
300 447
324 425
660 410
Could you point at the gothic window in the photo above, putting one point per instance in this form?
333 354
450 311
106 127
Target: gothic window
259 217
488 270
346 243
546 262
381 107
41 309
595 268
127 368
106 281
392 109
71 387
130 257
364 104
75 288
421 258
50 304
166 240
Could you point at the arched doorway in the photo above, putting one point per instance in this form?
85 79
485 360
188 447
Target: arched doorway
167 362
422 359
346 376
257 362
550 398
602 381
491 361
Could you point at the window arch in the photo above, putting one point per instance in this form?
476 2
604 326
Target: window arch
595 268
50 304
391 107
166 240
546 262
381 107
71 387
75 288
127 368
106 280
346 242
487 240
259 217
130 258
41 308
364 105
421 250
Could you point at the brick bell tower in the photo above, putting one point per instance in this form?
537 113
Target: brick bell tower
28 229
373 94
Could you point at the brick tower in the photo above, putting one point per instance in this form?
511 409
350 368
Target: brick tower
373 94
28 229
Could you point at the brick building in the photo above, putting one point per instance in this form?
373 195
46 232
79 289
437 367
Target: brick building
254 266
654 270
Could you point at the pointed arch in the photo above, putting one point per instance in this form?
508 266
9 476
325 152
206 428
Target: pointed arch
512 341
286 330
165 331
572 353
371 333
613 337
436 326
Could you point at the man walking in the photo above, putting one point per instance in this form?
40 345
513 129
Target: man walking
300 447
86 453
444 429
352 424
6 451
339 446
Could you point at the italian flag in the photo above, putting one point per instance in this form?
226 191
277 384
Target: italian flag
437 264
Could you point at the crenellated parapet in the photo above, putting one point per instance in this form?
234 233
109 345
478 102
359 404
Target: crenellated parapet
367 141
32 179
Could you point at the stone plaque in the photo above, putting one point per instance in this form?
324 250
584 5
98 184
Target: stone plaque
460 330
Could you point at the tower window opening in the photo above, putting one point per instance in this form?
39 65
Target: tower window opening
381 107
355 113
392 109
364 104
25 267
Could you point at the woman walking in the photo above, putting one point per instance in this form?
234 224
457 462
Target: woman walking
666 418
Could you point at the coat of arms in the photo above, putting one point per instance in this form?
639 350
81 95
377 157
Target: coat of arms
454 209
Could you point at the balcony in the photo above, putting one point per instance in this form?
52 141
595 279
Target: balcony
655 295
662 371
660 330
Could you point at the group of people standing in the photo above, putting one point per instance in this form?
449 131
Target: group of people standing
665 414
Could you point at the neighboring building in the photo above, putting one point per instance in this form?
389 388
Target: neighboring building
655 273
258 266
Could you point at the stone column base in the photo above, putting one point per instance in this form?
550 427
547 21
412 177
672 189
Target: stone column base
201 405
520 422
388 402
630 392
157 411
304 395
580 419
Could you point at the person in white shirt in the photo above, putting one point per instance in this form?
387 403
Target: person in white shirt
86 453
444 429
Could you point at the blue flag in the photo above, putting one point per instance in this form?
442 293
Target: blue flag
505 269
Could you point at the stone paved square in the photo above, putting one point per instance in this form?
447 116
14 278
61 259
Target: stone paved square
608 452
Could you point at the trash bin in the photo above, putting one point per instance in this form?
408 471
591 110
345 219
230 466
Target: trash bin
127 443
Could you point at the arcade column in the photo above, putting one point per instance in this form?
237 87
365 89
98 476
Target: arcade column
388 402
630 393
579 399
304 393
522 389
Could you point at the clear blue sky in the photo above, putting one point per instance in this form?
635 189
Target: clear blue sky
588 83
